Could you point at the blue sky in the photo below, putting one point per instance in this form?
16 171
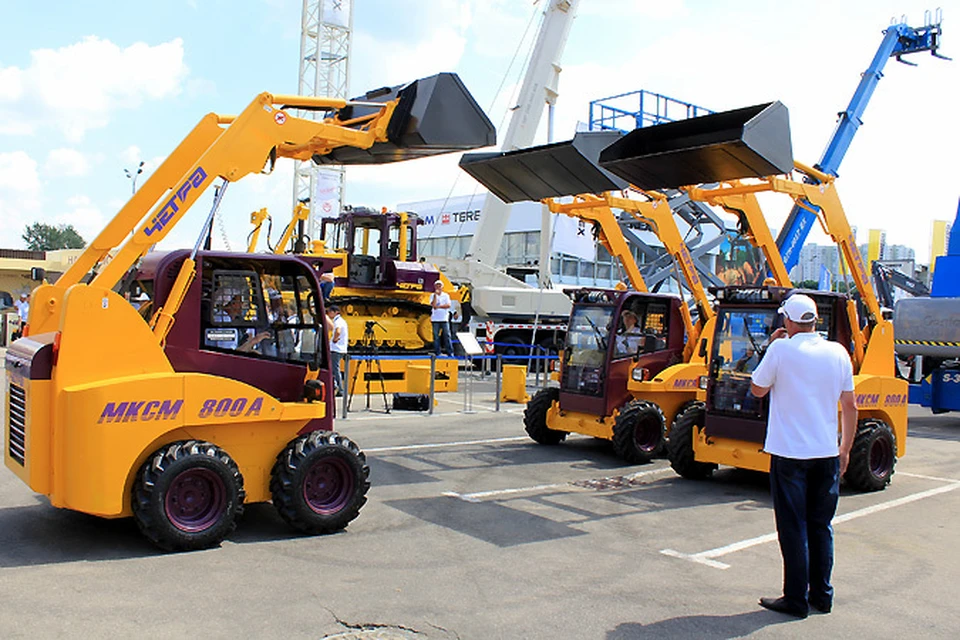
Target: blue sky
107 84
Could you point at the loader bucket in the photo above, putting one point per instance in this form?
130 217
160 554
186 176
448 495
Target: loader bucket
743 143
435 115
551 170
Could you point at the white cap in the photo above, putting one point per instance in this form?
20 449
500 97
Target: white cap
799 308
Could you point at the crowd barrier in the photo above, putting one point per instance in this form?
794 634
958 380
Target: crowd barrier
536 366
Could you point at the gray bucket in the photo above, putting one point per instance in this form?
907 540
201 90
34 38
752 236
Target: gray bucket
435 115
547 171
742 143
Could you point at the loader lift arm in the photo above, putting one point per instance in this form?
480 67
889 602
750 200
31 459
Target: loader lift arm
388 126
819 196
657 214
570 169
752 225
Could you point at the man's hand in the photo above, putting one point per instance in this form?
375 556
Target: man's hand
848 427
844 461
776 335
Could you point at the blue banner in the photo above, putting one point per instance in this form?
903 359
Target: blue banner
826 279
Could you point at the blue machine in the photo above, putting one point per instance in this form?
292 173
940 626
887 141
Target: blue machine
898 40
927 333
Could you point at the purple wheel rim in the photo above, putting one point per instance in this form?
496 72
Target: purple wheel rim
881 457
328 485
645 435
196 500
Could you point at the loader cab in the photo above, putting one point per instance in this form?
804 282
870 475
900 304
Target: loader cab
250 317
746 317
381 248
611 333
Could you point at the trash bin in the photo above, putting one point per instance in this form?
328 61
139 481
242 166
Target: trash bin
514 383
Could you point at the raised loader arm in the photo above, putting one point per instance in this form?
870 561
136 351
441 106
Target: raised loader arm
657 214
868 348
753 226
426 117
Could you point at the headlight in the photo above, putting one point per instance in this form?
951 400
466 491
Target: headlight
639 374
703 381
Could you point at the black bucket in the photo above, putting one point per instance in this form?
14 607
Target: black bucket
551 170
742 143
435 115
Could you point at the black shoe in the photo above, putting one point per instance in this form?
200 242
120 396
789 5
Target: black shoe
780 605
821 606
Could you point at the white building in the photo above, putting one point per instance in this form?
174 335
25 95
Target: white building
577 259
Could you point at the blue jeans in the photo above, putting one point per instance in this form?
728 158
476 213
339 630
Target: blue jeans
336 362
805 495
441 332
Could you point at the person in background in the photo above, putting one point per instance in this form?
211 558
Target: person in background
339 339
440 317
232 312
326 286
806 377
23 311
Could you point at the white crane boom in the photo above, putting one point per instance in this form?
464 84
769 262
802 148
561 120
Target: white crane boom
539 88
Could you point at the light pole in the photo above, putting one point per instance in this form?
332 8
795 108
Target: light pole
133 176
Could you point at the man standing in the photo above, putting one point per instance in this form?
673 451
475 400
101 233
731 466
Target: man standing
440 317
339 340
806 377
23 311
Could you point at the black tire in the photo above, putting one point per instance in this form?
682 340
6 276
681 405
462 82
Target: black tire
535 417
638 433
873 456
188 495
680 444
319 482
683 408
512 348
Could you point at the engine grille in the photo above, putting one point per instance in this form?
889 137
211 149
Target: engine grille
17 410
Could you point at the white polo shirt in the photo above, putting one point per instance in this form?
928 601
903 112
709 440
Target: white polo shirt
339 346
806 375
440 314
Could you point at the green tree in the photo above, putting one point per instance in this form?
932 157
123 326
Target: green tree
808 284
44 237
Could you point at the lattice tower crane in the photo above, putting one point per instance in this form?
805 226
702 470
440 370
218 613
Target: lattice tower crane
325 36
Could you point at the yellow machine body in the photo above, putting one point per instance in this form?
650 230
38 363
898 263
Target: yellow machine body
90 427
92 391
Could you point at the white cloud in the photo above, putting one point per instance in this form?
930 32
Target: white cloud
77 87
632 9
19 196
406 61
66 162
83 214
130 156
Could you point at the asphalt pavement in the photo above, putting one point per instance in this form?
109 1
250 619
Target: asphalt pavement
472 531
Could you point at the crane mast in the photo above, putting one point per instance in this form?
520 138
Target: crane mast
539 87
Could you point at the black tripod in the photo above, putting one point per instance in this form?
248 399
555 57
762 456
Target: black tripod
369 348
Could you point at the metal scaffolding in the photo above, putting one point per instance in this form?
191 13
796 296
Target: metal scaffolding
325 28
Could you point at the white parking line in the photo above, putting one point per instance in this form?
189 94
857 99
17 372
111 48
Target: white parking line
707 557
479 496
441 445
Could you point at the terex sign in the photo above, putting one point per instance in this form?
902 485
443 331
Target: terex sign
457 217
